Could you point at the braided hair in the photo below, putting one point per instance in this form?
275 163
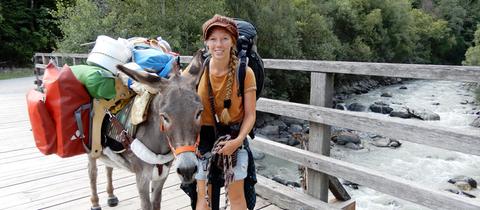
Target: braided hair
227 102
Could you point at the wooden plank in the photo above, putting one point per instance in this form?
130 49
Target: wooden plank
321 94
419 71
382 182
54 196
127 195
40 66
286 197
464 140
40 191
337 189
71 55
23 171
261 204
344 205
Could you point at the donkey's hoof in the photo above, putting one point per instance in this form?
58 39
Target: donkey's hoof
112 201
96 208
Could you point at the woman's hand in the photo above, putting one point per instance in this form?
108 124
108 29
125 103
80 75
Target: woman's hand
230 146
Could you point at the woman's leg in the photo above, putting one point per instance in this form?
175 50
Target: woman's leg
236 195
201 202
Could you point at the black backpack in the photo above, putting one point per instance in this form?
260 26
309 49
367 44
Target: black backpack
248 55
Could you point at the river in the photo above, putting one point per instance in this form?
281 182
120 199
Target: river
425 165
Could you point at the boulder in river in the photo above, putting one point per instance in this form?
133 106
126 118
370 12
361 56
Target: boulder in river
422 113
380 141
270 130
462 180
295 128
340 106
386 94
476 123
356 107
344 137
351 184
383 109
401 113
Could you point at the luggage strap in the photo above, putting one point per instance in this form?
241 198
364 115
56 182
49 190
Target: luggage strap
78 118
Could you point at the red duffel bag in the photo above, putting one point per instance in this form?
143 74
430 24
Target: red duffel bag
68 102
43 127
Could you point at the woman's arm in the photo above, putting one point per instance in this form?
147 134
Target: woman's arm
249 106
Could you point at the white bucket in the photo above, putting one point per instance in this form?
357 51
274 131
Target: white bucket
108 53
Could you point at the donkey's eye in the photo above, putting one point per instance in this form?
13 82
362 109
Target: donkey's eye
199 114
165 118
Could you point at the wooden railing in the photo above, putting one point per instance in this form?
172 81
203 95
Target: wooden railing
321 117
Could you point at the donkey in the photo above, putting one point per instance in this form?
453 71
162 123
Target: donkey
172 126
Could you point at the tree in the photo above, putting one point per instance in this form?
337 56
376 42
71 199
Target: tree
25 28
179 22
472 56
462 17
432 43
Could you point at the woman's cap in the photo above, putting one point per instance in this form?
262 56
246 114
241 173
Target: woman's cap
220 21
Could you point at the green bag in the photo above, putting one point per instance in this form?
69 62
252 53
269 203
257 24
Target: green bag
99 82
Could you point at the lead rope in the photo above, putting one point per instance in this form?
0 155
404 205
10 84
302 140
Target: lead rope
229 160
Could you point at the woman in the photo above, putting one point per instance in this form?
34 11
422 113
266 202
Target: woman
236 115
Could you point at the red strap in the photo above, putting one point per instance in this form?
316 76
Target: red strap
188 148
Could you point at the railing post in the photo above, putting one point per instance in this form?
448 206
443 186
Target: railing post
321 93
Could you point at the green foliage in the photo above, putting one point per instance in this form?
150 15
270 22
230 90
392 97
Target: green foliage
431 43
405 31
1 16
173 20
24 29
462 17
472 56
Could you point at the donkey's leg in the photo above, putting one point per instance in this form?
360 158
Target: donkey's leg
157 187
92 174
143 192
112 199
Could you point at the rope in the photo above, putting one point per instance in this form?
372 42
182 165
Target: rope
225 162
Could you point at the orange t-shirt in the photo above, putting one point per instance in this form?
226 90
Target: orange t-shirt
219 86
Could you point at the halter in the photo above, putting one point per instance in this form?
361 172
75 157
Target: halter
182 149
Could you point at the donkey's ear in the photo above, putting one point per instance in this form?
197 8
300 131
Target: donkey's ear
196 67
175 68
150 79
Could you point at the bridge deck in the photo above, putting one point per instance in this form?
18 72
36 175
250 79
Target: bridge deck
30 180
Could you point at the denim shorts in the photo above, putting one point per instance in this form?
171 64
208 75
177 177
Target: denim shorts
240 169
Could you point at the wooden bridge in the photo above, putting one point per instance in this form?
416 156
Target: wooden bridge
320 166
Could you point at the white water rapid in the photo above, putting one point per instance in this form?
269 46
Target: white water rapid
425 165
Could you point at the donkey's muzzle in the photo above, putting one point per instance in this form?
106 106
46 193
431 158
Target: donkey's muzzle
187 166
187 173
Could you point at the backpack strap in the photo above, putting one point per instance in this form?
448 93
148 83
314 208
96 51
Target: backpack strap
211 99
242 71
242 68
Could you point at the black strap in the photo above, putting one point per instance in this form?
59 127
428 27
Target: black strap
211 98
242 71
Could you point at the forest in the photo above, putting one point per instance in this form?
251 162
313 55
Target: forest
395 31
